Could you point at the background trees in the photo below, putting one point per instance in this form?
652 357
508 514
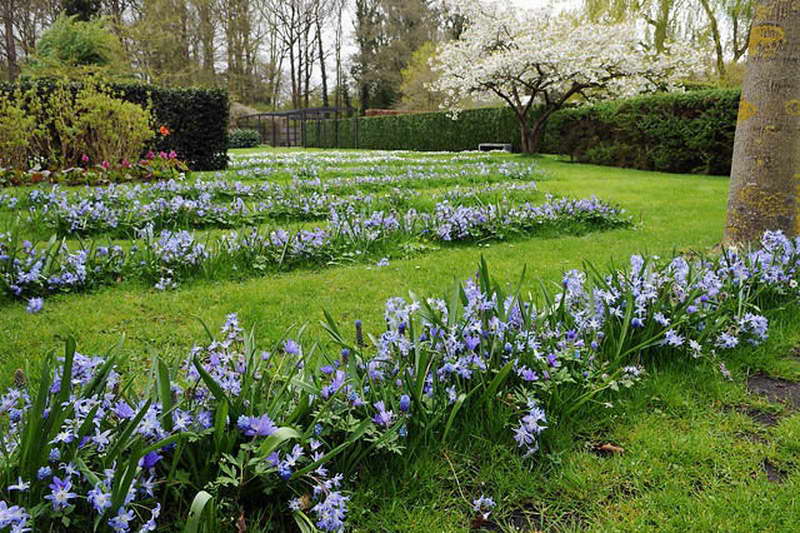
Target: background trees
366 53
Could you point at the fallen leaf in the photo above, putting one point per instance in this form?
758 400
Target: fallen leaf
609 449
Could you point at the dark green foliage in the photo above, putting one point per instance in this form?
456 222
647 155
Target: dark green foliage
675 132
244 138
418 131
83 9
197 119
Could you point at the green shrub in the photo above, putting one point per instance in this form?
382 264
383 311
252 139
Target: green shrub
196 120
244 138
75 48
676 132
93 123
17 132
60 128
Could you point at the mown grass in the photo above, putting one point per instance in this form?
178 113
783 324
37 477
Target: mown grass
692 461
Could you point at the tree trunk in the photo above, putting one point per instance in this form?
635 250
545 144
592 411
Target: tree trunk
323 72
10 43
766 154
532 136
712 21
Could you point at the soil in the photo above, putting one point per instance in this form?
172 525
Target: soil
775 389
774 473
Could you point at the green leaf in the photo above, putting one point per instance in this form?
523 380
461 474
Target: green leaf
280 436
453 412
201 512
165 394
304 523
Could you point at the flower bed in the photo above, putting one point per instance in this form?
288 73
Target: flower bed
167 258
84 447
123 210
161 166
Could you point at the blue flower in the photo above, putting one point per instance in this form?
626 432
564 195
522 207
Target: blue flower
150 460
99 498
35 305
121 522
60 494
482 504
256 426
405 403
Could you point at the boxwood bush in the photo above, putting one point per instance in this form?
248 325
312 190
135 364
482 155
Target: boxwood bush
244 138
195 120
673 132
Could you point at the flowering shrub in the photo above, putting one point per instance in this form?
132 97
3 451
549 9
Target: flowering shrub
161 166
82 447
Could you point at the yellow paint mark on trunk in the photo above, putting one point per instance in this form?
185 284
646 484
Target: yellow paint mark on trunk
793 107
765 40
746 110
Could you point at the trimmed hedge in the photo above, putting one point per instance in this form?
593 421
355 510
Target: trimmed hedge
671 132
244 138
676 132
418 131
196 118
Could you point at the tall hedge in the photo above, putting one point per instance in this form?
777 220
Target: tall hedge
672 132
197 119
418 131
675 132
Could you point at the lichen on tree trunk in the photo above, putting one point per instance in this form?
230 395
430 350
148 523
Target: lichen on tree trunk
766 157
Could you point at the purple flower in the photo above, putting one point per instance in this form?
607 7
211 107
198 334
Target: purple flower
291 347
482 504
382 417
122 410
60 494
405 403
672 339
121 522
331 512
256 426
338 380
150 460
99 498
34 305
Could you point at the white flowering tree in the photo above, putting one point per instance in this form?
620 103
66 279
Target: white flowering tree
537 59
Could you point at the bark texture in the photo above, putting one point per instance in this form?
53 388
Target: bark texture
766 155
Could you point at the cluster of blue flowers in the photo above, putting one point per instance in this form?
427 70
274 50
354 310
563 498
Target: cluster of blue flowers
109 451
28 271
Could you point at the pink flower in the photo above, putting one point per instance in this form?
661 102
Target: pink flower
105 164
150 155
172 154
126 163
85 158
162 155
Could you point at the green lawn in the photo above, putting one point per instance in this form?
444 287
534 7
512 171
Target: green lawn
692 460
